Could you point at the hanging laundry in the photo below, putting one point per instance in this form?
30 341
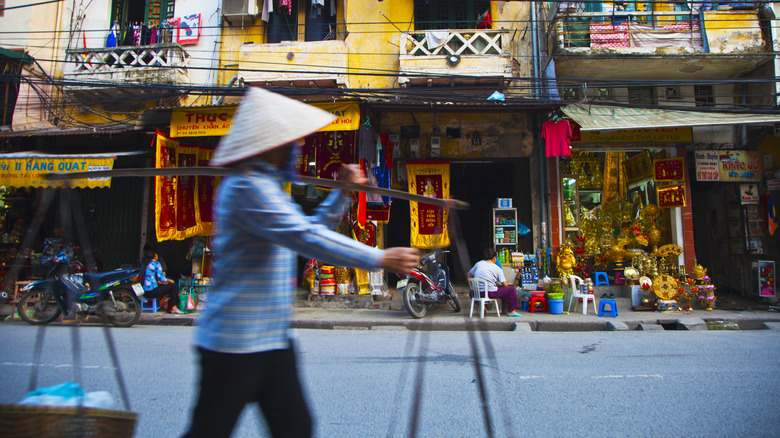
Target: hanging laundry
436 37
112 35
286 4
316 8
557 136
154 34
268 8
128 39
136 34
367 142
146 35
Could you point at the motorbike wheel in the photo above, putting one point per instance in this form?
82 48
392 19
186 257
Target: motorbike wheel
454 302
38 306
412 303
126 311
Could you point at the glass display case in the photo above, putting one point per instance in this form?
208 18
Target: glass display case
764 273
570 205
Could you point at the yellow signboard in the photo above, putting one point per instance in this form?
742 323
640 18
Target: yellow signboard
201 122
190 122
28 171
659 135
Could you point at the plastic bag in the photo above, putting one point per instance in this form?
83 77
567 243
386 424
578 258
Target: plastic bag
522 230
68 394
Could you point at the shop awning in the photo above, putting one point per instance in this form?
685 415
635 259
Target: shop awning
18 56
605 117
26 169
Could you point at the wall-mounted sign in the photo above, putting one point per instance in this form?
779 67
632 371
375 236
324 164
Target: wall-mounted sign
748 193
728 165
669 169
201 122
656 135
671 196
638 167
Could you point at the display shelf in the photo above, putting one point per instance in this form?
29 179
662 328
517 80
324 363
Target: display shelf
505 228
570 203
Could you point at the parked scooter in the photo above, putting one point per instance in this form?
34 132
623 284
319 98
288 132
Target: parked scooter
106 294
426 285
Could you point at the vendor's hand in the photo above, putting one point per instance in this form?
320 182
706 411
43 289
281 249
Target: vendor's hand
170 281
400 260
351 173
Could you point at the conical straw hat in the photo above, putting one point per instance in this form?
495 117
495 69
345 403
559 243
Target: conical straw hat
266 120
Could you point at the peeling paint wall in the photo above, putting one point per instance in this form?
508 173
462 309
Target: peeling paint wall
373 40
516 16
733 32
489 135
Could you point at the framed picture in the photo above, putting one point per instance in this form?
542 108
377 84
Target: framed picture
640 166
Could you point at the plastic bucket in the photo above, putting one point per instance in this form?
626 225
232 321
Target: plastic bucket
555 306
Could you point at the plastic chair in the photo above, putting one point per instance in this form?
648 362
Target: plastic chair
576 294
600 279
151 304
612 307
479 293
538 304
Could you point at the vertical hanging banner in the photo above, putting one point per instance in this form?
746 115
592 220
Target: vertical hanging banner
182 204
186 156
326 152
429 222
206 186
165 188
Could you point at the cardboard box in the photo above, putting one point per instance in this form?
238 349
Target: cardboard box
504 202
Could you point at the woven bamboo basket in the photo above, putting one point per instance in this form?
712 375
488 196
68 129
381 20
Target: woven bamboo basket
27 421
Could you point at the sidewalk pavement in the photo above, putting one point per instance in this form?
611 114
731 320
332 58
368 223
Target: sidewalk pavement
735 314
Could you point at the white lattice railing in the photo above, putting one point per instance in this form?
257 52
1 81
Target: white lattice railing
118 59
461 42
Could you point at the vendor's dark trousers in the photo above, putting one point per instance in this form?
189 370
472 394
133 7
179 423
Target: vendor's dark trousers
230 381
509 295
170 290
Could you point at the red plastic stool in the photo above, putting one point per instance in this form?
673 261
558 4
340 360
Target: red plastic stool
532 305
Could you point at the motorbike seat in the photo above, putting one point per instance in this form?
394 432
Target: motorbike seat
97 278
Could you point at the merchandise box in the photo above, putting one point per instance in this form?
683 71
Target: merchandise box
504 202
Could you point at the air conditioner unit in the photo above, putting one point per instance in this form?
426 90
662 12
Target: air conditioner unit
239 11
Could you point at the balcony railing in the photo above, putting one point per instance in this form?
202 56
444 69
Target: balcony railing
464 42
127 59
666 32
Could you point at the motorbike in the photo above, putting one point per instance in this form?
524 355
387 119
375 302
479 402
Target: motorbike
109 294
427 285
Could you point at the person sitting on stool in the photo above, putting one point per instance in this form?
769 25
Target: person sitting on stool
155 284
488 270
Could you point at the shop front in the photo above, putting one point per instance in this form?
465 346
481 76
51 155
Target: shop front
629 201
37 214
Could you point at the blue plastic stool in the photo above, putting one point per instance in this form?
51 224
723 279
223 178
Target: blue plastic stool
612 308
600 279
151 304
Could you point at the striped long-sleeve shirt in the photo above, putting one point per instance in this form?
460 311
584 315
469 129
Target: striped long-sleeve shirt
259 232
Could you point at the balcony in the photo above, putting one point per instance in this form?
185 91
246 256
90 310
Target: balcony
301 64
124 68
455 57
664 45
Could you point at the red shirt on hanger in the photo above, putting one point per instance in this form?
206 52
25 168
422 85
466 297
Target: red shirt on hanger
557 136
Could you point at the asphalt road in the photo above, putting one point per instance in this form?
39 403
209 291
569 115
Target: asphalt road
361 383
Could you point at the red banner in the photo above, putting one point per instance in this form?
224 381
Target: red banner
182 204
669 169
165 188
429 222
187 156
671 196
325 152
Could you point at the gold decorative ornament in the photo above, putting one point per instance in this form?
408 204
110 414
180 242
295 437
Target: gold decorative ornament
670 250
699 271
665 287
631 273
565 261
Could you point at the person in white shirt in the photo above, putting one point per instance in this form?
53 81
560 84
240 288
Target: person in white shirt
497 286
